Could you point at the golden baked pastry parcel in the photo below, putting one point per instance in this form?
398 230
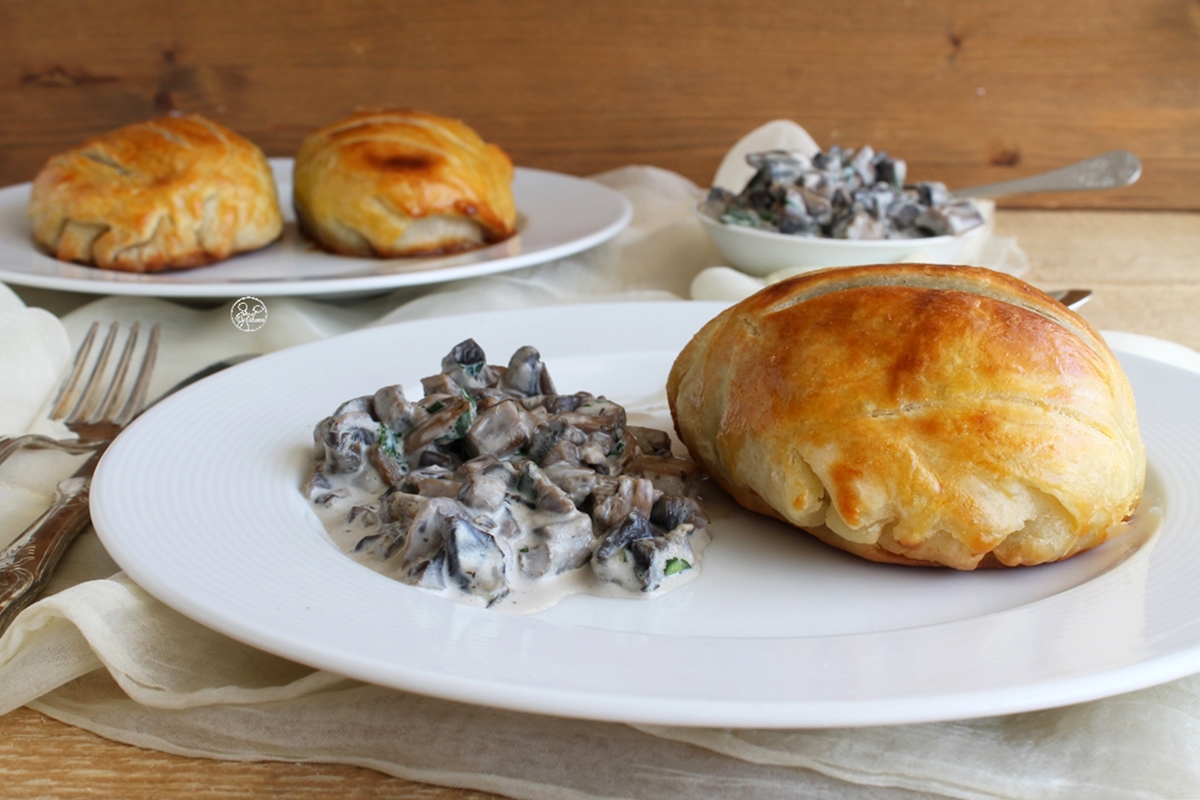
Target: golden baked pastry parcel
170 193
915 414
401 183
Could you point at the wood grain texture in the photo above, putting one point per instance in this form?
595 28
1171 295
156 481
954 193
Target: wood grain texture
45 759
967 92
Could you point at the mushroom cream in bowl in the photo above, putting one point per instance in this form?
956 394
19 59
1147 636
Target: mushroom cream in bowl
838 208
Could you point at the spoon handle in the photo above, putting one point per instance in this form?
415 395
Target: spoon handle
1108 171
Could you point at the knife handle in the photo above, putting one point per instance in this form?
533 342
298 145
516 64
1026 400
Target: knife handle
27 564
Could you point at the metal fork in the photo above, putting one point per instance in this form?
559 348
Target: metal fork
95 418
96 412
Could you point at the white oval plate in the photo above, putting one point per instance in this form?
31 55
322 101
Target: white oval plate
199 502
557 216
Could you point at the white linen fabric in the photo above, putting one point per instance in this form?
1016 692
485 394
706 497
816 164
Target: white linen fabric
100 653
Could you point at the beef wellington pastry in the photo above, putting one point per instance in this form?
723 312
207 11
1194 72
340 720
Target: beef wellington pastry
915 414
171 193
402 183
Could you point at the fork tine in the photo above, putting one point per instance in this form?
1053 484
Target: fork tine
109 402
137 397
65 389
81 409
102 418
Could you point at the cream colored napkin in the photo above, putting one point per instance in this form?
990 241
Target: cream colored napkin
98 652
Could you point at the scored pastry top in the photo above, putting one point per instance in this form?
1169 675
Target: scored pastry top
915 414
170 193
402 183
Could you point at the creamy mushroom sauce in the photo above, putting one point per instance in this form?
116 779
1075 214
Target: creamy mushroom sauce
495 490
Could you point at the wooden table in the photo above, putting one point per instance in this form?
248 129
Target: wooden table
1144 268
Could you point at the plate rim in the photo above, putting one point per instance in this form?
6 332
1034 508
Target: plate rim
810 713
126 284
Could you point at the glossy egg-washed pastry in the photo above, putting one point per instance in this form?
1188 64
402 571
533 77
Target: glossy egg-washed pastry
169 193
915 414
402 183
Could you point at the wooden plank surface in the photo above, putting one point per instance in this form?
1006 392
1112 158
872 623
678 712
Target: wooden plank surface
43 759
967 92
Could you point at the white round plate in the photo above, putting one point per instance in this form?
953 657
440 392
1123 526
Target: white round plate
199 501
557 216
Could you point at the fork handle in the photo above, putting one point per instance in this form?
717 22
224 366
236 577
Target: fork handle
27 564
76 447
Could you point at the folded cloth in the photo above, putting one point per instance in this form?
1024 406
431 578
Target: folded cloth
99 653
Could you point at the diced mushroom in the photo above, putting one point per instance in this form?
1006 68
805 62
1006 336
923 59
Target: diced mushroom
577 482
595 457
534 559
389 464
491 467
452 421
433 403
546 436
430 574
466 365
931 193
548 496
961 216
561 403
632 556
363 405
568 543
481 491
498 431
597 415
317 484
440 384
477 466
393 410
650 441
426 533
630 528
432 481
611 559
435 458
347 438
526 374
612 503
474 561
364 515
671 475
486 398
670 511
658 559
383 544
563 452
400 507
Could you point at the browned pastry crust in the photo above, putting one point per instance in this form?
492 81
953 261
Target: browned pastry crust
402 183
170 193
915 414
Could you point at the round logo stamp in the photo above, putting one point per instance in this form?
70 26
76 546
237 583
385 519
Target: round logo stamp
248 314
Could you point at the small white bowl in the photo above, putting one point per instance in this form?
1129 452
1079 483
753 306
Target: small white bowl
765 252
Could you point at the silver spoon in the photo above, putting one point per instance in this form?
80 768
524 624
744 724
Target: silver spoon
1108 171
